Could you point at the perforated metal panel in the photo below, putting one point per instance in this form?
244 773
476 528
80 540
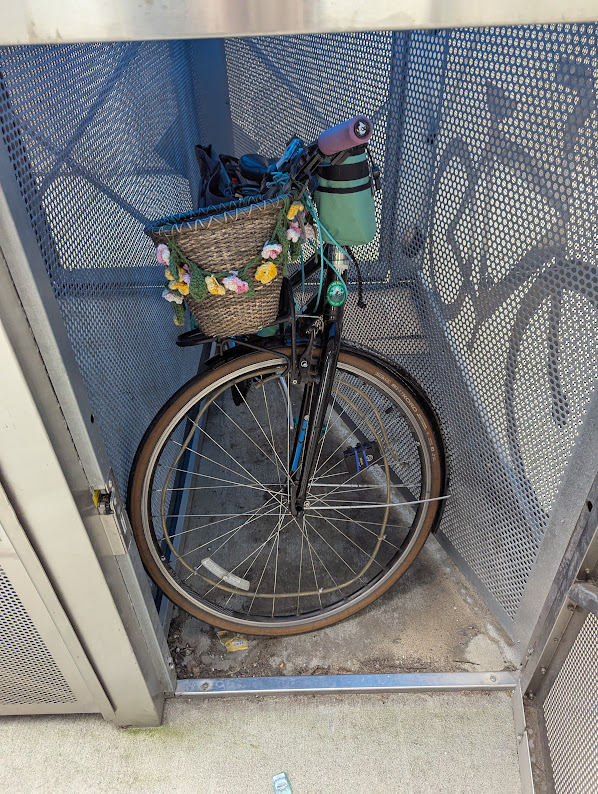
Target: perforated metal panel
571 716
482 281
28 672
101 138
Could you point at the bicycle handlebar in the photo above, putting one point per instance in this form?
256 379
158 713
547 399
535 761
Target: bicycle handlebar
354 132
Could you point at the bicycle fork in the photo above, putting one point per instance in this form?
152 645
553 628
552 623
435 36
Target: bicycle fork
317 393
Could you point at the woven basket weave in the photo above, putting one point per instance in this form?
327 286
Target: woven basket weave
226 237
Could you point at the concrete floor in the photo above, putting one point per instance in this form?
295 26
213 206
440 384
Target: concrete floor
462 743
430 620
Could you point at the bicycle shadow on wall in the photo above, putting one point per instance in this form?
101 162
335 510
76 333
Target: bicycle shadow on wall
521 327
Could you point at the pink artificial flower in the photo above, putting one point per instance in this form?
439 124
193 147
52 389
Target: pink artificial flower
163 254
294 231
235 284
186 278
173 297
309 232
271 250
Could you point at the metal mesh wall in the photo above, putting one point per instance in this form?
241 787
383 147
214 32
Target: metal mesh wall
482 281
28 672
570 712
101 138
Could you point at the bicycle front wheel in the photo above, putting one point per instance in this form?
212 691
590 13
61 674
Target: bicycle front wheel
210 492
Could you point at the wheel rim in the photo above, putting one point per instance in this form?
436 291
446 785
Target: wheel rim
216 499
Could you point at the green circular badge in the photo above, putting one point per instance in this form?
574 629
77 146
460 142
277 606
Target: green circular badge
336 293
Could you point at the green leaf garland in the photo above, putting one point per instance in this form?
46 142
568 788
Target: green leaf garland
197 285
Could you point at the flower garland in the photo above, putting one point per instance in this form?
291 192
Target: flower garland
185 278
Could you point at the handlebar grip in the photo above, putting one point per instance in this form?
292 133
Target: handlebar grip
353 132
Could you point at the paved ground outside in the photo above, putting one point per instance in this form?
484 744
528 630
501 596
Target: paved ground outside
459 743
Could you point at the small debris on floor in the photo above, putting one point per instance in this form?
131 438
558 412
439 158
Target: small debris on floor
280 784
233 641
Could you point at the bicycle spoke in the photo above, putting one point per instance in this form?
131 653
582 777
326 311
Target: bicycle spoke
275 571
217 463
257 551
352 477
300 572
253 517
249 608
337 529
229 484
264 435
322 441
336 474
360 486
288 424
201 515
331 548
247 436
336 586
372 505
271 433
210 524
343 442
303 530
362 524
249 521
227 453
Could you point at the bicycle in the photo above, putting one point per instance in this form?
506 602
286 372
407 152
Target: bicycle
296 478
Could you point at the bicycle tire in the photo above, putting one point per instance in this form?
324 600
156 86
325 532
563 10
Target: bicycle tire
407 414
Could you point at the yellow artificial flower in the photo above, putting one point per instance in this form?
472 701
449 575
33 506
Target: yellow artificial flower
295 207
214 287
266 272
180 286
170 277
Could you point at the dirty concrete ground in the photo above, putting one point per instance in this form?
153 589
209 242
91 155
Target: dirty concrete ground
430 620
458 743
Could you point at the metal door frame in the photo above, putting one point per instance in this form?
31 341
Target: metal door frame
573 595
90 558
49 21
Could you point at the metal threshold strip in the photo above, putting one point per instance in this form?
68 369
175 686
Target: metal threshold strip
335 684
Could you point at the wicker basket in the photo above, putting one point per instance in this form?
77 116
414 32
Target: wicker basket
225 237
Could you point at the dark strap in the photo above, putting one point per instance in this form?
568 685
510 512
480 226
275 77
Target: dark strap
345 172
360 301
254 166
357 189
